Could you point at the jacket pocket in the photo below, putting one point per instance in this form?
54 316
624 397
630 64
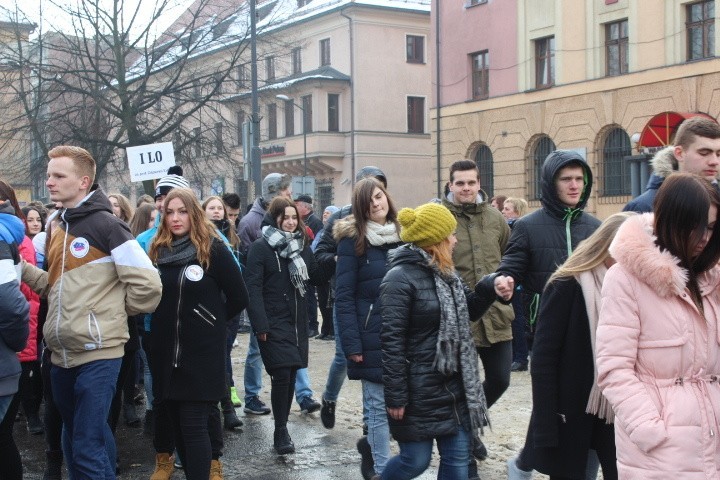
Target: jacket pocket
204 314
94 332
675 341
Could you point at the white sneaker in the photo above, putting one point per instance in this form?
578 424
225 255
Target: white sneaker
514 472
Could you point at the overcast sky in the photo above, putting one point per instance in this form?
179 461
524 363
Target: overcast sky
53 17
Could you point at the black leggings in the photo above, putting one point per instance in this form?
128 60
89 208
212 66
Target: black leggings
10 463
31 388
197 435
496 360
281 393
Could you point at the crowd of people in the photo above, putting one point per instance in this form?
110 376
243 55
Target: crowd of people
617 321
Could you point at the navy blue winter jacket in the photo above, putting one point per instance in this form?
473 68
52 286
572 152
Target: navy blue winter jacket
357 301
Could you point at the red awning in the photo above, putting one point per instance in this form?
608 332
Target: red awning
660 130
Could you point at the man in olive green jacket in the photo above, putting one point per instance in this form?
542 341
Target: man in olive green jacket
482 235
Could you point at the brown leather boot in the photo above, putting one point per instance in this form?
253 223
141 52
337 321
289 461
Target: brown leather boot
216 470
163 467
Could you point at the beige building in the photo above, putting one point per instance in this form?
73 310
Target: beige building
591 75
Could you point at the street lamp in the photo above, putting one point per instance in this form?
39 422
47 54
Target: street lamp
288 99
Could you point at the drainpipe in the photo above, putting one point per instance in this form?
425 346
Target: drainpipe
352 99
437 94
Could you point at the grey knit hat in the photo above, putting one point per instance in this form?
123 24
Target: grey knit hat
273 184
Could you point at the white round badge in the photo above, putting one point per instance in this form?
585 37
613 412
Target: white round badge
79 247
194 273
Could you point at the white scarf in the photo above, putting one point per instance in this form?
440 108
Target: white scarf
591 283
377 234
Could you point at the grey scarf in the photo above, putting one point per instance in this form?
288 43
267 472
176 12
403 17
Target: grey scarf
289 245
455 342
181 251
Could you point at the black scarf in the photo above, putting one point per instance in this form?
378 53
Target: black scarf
181 251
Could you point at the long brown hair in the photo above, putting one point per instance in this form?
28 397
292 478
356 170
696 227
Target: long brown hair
361 204
126 210
8 193
441 256
141 218
202 231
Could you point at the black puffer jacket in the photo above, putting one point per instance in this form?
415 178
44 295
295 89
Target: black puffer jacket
276 307
539 242
434 404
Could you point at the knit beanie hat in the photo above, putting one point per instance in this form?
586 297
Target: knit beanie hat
273 184
426 225
173 179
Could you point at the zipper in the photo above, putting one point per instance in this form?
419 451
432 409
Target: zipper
181 282
207 312
457 417
203 317
367 319
562 417
278 262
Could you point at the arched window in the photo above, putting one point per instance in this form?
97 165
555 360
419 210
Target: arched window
616 172
484 162
543 147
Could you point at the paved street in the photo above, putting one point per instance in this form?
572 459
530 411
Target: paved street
321 453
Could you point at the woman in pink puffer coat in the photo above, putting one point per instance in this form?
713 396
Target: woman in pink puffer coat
658 344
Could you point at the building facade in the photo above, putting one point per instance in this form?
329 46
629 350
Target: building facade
611 79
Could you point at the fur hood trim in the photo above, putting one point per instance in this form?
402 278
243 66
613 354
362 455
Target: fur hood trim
634 248
664 162
345 228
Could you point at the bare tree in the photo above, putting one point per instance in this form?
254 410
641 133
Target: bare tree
106 83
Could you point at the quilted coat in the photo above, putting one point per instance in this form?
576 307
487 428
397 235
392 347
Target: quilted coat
658 359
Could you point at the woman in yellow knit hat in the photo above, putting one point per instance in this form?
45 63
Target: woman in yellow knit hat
433 390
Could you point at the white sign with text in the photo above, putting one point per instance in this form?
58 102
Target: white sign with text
148 162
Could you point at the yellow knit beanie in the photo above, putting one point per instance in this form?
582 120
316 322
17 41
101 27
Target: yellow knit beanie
426 225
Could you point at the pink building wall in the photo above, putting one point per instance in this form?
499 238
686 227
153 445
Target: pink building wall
464 30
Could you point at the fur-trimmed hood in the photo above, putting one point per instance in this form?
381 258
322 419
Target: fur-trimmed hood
635 249
345 228
664 162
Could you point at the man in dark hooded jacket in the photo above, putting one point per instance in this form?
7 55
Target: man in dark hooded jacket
544 239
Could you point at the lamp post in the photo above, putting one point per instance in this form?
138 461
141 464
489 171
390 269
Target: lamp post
286 99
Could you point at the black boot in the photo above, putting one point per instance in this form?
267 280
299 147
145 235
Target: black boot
35 425
230 418
131 416
53 465
282 441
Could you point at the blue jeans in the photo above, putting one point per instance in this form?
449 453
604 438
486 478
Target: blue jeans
83 395
377 422
253 374
415 457
338 367
5 401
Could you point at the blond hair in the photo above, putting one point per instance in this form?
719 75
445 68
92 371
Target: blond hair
520 205
202 231
83 162
592 251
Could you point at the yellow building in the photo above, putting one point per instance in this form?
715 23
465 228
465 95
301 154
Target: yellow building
583 74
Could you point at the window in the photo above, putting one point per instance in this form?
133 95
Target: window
197 141
296 60
240 118
616 172
544 146
415 48
701 30
324 194
289 118
545 62
242 75
480 75
616 48
333 112
270 69
416 114
272 121
307 113
218 137
484 162
325 52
